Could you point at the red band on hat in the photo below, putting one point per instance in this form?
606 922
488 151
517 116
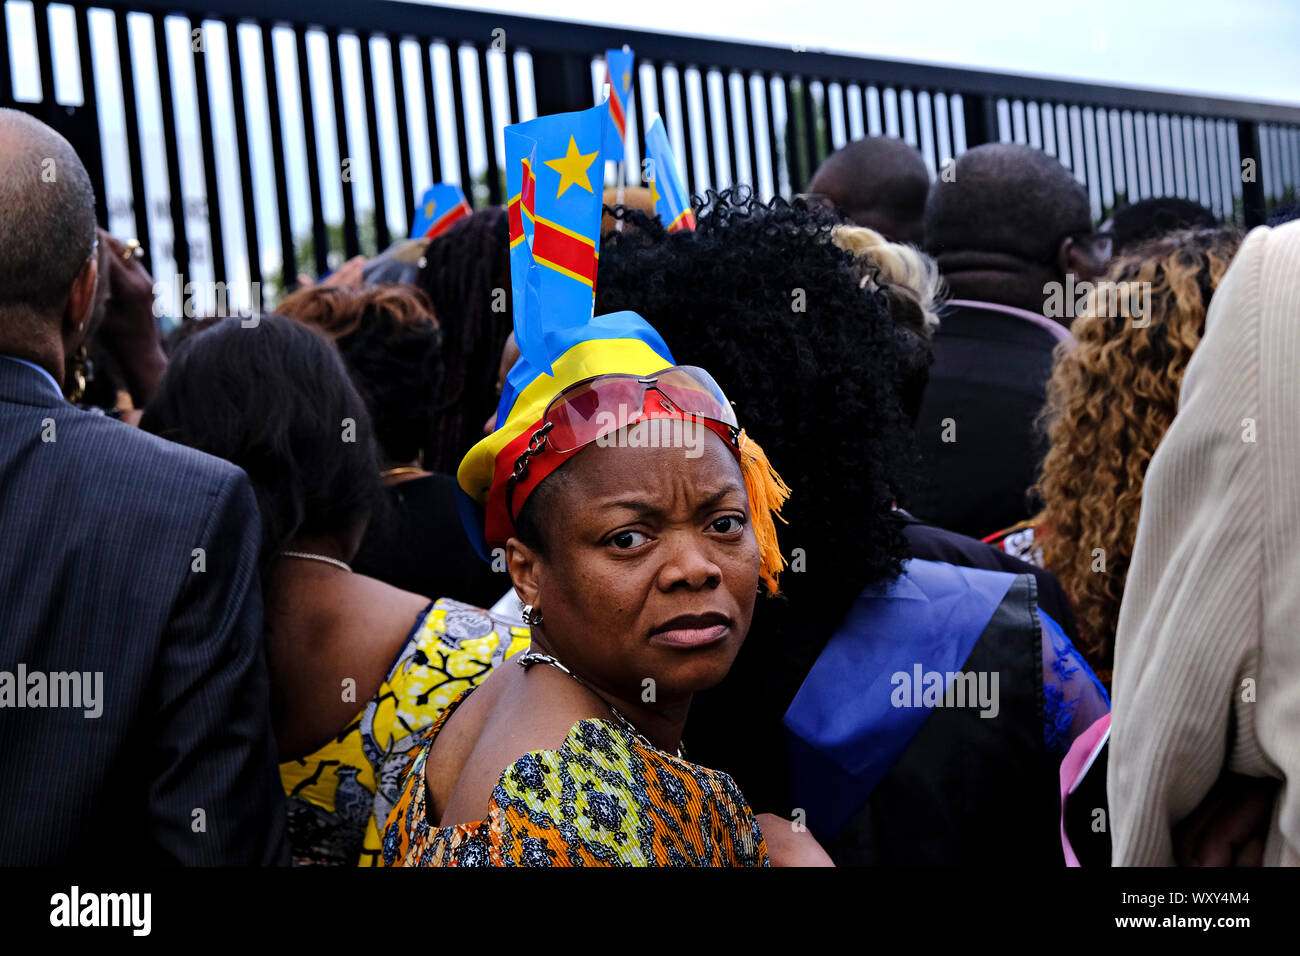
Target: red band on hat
499 525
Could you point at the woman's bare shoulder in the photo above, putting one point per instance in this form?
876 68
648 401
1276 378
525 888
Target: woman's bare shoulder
522 714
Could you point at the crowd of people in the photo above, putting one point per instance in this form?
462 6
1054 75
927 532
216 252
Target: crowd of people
980 546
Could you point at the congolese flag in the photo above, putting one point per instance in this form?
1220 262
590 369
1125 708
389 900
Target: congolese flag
565 163
442 204
618 73
521 188
671 200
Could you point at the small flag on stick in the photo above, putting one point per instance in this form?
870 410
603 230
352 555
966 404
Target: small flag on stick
442 205
666 186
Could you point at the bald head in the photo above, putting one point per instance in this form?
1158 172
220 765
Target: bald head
877 182
1006 198
48 207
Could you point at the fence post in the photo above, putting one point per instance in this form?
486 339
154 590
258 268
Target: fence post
980 118
1252 193
563 82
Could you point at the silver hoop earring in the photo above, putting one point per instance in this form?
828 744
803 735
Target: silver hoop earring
531 618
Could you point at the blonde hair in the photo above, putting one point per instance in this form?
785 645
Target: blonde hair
881 264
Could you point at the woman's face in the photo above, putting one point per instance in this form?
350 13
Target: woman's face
651 566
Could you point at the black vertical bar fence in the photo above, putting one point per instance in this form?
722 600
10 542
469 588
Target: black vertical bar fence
430 111
458 113
345 172
403 130
371 107
319 234
288 257
251 241
1240 158
794 142
90 98
162 55
212 194
687 135
491 125
710 147
139 198
639 116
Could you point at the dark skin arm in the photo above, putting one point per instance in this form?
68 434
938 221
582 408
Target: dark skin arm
348 274
1230 825
124 319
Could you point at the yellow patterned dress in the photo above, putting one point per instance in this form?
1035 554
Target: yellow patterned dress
339 794
605 798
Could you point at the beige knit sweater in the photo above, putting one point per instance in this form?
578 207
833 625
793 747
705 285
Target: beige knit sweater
1207 656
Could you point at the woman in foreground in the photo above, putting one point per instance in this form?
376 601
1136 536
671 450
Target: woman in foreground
636 520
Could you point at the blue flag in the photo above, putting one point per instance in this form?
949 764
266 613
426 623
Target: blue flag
558 225
441 205
618 73
671 199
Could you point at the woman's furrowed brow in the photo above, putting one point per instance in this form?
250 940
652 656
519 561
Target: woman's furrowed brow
713 500
643 507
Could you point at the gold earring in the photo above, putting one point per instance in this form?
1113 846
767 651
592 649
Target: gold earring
80 366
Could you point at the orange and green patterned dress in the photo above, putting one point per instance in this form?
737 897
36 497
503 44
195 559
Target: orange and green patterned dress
605 798
340 795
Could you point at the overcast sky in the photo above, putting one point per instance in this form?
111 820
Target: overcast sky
1248 49
1240 48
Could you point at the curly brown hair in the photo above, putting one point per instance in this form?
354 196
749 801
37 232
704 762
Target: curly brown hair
1111 398
339 311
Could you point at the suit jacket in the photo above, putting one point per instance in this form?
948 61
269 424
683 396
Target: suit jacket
134 559
1207 649
976 429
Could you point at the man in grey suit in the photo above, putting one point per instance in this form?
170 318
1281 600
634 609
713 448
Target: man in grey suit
134 702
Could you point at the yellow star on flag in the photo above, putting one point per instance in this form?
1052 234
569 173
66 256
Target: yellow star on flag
573 167
428 209
654 193
627 79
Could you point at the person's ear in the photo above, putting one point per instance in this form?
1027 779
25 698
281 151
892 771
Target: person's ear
81 301
525 567
1077 259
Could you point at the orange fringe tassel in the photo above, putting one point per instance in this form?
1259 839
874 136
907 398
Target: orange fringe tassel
767 493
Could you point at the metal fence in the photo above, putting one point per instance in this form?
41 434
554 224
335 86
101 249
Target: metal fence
241 141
